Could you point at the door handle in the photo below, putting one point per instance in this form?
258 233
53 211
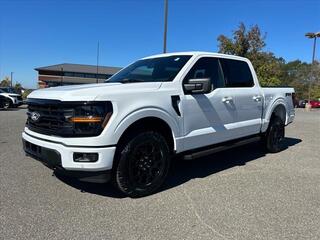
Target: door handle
227 99
257 98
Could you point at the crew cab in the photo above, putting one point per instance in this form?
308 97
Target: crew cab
128 129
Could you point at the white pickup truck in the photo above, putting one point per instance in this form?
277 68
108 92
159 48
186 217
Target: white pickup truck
128 129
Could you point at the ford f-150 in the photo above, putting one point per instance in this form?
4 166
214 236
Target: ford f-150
128 129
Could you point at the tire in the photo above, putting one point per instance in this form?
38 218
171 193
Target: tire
6 104
142 164
274 136
11 105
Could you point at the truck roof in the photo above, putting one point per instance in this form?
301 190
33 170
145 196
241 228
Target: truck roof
198 53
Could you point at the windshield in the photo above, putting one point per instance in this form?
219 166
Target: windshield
7 90
162 69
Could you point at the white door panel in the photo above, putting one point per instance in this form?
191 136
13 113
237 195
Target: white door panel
248 102
206 117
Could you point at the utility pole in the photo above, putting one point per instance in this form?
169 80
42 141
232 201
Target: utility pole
165 26
97 62
11 79
314 36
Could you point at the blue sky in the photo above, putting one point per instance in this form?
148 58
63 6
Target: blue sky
39 33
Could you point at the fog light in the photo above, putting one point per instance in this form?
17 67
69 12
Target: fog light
85 157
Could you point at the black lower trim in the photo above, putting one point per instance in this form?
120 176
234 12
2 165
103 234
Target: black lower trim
175 104
52 159
77 146
49 157
86 176
204 151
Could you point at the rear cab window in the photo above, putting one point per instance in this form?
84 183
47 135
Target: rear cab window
236 73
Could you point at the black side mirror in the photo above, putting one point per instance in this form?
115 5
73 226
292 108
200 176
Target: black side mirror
201 85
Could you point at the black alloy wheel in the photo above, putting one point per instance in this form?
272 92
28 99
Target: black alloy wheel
6 104
146 164
275 135
142 164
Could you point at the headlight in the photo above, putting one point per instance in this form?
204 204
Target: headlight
91 118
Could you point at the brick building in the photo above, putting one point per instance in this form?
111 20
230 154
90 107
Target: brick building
67 74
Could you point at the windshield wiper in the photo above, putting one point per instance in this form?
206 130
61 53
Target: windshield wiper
131 80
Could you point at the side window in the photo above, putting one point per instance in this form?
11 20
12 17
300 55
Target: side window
236 73
207 67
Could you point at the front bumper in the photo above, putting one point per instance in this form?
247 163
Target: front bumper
17 102
60 157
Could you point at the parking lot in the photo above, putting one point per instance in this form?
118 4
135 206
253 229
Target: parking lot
238 194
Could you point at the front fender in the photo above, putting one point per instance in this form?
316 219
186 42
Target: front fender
145 113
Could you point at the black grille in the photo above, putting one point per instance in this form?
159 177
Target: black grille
50 117
19 98
53 117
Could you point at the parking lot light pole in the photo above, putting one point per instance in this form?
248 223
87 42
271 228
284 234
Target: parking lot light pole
11 79
314 36
165 26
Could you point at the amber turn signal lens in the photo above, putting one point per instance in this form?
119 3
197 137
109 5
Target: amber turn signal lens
88 119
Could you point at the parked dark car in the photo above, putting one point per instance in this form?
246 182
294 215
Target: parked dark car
4 102
313 103
302 103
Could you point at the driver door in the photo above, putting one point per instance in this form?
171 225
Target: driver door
207 116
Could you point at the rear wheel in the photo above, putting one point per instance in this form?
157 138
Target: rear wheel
274 136
142 164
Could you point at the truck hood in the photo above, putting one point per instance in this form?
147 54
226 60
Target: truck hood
91 92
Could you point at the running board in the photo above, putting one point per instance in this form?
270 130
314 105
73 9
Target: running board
219 148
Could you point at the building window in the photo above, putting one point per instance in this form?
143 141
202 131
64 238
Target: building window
69 74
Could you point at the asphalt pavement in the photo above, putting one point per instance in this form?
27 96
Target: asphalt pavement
237 194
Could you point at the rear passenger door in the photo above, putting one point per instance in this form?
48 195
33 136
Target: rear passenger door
247 97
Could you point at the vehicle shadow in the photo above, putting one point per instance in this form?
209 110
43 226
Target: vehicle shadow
102 189
184 171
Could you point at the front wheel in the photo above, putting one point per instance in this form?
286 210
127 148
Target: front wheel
6 104
142 164
274 136
11 105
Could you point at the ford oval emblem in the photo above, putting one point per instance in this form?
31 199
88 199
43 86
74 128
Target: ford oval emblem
35 116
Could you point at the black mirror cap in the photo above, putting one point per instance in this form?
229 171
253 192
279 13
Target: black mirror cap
198 86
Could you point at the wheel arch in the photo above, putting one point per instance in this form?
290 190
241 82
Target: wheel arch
149 120
277 109
151 123
280 112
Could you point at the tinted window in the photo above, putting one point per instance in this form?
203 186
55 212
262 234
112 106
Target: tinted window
207 67
236 73
8 90
161 69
